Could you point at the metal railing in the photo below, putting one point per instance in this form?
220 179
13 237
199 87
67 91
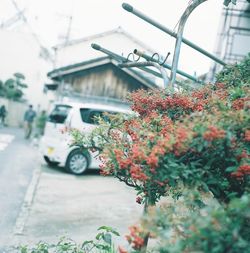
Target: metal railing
163 28
150 61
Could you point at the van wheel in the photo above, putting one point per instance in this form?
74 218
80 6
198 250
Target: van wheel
50 163
77 162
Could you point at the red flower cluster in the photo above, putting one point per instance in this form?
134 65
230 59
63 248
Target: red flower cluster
125 163
242 171
137 153
243 155
213 133
240 103
152 160
137 173
181 137
136 237
220 86
131 127
145 102
247 136
138 199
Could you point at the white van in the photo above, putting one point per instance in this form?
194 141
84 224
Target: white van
55 146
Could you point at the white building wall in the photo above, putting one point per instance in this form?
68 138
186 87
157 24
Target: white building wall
20 52
81 51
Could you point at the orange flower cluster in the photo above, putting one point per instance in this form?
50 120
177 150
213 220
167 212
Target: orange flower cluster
240 103
213 133
137 173
135 238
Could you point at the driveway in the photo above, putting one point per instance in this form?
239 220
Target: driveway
75 206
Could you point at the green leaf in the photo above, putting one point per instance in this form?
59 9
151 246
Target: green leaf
107 238
99 235
86 243
115 232
104 228
103 247
231 169
109 229
19 75
24 249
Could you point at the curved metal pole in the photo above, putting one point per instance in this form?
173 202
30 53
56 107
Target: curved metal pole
156 24
181 26
163 73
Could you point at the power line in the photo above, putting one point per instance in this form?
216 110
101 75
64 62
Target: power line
9 22
44 51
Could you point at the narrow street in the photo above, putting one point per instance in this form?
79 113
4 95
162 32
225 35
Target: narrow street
18 159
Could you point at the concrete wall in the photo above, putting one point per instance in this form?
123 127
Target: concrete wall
15 112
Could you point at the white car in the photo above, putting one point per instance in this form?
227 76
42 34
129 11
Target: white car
55 146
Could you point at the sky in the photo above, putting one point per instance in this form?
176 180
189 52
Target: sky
49 20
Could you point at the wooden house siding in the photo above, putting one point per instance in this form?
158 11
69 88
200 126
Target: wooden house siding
105 80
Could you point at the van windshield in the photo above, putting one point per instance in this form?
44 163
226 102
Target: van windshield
59 114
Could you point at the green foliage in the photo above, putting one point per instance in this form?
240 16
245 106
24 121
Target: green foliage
12 88
236 74
213 229
102 244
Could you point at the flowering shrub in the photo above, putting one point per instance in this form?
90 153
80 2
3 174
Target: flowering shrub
200 139
197 139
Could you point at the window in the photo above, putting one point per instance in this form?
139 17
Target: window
59 114
91 116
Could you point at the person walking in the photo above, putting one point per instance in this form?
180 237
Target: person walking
3 113
29 116
40 123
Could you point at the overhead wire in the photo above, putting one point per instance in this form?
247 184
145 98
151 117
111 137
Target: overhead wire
42 47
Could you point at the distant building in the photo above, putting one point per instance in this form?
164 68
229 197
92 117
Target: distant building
233 40
82 72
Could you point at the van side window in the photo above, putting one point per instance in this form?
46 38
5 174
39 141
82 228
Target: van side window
59 114
90 116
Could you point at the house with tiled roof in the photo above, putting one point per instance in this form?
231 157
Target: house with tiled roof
81 72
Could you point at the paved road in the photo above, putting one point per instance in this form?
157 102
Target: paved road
59 204
18 159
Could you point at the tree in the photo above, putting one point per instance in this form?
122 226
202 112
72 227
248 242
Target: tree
13 87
